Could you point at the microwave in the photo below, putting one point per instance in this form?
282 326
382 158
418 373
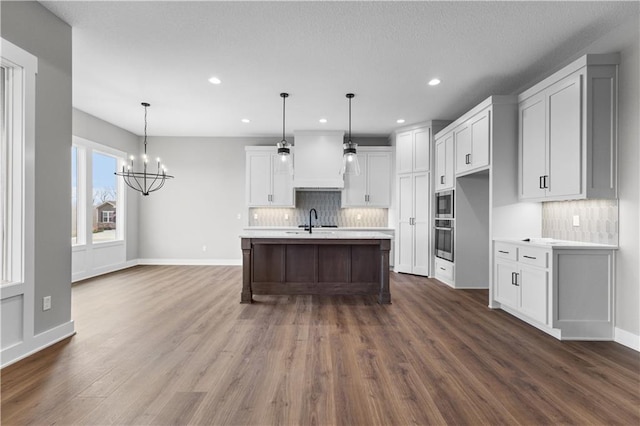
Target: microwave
444 205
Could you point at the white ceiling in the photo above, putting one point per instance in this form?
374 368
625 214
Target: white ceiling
384 52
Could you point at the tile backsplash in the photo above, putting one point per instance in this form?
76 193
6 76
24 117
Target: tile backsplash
327 203
598 221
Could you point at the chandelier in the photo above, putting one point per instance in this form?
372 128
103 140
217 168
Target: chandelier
144 181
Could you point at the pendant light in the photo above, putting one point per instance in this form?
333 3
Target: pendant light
285 165
350 165
144 181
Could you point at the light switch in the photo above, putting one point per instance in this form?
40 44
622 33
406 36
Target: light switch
576 220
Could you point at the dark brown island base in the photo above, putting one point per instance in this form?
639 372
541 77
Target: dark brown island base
322 263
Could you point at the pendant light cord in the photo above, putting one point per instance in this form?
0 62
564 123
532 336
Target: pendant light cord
145 105
284 99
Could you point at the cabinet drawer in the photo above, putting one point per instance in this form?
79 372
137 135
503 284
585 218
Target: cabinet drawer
506 251
444 269
534 256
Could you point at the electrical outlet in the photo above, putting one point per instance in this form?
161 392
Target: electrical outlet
358 216
204 248
286 216
255 216
46 303
576 220
239 215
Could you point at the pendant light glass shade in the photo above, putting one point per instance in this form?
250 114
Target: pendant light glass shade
350 163
284 165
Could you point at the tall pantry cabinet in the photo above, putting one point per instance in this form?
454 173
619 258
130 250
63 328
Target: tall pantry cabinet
414 196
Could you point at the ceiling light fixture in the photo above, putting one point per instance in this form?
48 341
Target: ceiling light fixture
246 120
434 82
284 148
323 120
400 120
350 165
215 80
144 181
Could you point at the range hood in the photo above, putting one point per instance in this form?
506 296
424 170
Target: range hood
318 160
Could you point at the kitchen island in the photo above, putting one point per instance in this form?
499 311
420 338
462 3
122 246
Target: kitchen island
320 263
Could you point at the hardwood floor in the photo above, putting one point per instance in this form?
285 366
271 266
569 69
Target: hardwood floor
173 345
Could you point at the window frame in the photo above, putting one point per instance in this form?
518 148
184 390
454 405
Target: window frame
86 149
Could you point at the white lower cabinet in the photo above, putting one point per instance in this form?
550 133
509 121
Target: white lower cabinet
563 290
444 271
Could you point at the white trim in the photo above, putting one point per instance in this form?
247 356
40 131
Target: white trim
215 262
105 270
40 341
626 338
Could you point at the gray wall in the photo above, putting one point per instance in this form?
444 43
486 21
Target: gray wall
96 130
34 29
200 206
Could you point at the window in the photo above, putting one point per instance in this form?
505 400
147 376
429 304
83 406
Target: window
96 193
108 216
17 92
105 196
74 195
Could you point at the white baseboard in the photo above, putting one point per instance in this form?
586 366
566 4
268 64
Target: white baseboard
37 343
215 262
626 338
104 270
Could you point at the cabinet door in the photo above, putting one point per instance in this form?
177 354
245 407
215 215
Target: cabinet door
421 159
355 187
480 140
421 224
404 152
404 236
258 179
534 284
379 179
463 148
506 291
532 147
444 163
564 106
282 192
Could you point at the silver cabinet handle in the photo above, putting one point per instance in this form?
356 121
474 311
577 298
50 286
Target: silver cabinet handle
467 159
529 257
442 180
502 251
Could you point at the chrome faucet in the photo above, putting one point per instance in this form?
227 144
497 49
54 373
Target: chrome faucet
316 214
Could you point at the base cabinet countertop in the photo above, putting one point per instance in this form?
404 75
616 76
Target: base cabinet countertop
564 288
320 263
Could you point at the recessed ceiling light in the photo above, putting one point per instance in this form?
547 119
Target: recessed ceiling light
323 120
400 120
246 120
215 80
434 82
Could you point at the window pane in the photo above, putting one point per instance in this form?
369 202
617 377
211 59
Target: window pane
74 195
105 195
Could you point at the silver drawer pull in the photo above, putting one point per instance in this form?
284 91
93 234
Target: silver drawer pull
442 268
530 257
502 251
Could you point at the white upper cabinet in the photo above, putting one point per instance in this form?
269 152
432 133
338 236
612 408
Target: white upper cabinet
412 151
568 133
472 144
444 176
372 188
265 187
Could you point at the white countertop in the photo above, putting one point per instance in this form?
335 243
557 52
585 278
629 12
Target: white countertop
557 244
296 228
321 233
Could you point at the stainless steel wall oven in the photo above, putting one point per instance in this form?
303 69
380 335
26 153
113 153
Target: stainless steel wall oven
444 233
